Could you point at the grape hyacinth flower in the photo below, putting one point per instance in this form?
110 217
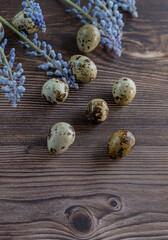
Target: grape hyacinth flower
106 16
54 64
1 31
30 19
128 6
9 76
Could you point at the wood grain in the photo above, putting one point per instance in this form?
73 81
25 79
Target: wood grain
83 194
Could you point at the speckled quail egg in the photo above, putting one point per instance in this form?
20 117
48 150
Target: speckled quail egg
120 144
83 68
60 138
97 111
55 91
1 30
124 91
22 22
88 38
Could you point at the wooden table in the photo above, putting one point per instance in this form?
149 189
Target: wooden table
83 194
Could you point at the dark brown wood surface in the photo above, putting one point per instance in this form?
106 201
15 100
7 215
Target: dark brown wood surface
83 194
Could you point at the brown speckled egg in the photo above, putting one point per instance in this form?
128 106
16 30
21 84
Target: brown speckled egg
55 91
83 68
124 91
97 111
120 144
22 22
88 38
1 30
60 138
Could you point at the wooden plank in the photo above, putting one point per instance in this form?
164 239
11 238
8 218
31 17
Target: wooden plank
83 194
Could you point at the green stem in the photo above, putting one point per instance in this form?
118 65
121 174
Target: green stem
10 75
35 47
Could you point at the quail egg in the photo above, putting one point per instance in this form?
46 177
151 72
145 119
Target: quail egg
120 144
97 111
60 138
1 30
83 68
22 22
55 91
88 38
124 91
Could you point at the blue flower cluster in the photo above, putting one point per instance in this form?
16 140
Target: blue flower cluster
106 16
35 13
128 6
9 77
1 31
54 65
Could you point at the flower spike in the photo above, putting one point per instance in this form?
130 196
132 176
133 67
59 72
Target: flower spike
106 16
128 6
54 65
8 76
1 31
30 19
35 13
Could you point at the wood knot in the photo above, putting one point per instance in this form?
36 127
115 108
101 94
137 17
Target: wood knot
81 219
115 204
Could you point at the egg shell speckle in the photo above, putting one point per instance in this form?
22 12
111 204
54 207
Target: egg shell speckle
120 144
22 22
83 68
97 111
124 91
60 138
1 29
55 91
88 38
